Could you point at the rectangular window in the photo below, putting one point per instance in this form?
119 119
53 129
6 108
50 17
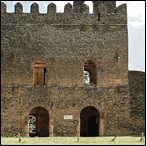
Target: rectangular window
39 76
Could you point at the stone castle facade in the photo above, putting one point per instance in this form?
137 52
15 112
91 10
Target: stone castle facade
66 74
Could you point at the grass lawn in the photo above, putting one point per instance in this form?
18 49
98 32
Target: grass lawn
107 140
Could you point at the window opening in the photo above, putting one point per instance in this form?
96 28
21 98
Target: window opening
86 77
89 73
39 73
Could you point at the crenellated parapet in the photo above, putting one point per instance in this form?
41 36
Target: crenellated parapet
78 13
3 8
18 8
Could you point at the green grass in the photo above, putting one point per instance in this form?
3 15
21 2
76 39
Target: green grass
107 140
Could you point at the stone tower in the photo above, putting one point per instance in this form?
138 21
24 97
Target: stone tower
65 74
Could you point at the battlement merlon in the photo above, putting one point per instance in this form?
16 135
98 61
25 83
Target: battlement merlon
69 16
110 6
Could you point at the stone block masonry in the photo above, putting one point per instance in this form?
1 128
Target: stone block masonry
43 58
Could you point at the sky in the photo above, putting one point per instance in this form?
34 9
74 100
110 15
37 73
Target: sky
136 26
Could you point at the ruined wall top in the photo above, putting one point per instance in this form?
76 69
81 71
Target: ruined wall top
103 12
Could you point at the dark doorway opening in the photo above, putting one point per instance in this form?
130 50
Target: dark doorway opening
89 124
39 122
93 126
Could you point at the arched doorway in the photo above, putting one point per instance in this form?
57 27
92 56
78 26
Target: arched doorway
89 122
39 122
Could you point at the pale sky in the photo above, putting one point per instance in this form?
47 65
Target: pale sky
136 26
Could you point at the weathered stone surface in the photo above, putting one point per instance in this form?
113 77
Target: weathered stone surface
65 41
137 102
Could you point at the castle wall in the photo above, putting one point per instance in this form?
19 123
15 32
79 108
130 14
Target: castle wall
137 102
59 101
64 41
63 52
61 39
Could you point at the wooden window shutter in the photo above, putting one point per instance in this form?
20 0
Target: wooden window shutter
39 73
39 76
35 76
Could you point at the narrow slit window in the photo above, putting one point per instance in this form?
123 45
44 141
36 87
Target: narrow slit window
99 17
117 56
44 75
